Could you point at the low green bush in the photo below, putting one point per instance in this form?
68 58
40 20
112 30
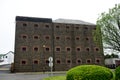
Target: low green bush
117 73
89 72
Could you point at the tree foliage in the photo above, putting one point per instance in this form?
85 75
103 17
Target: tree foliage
111 56
108 24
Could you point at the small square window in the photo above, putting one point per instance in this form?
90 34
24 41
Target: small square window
68 61
58 61
88 61
77 38
24 24
24 48
57 26
57 49
87 49
68 49
78 61
77 27
23 62
24 36
97 49
35 48
47 26
97 61
35 62
47 61
78 49
35 25
86 28
47 49
57 38
67 27
47 37
87 38
36 37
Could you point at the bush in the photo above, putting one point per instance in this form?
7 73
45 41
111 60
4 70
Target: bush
89 72
117 73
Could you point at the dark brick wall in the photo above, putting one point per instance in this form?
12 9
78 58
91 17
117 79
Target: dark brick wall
35 42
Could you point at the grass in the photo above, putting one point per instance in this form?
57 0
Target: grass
64 77
56 78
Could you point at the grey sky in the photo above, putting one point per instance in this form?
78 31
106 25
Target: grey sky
86 10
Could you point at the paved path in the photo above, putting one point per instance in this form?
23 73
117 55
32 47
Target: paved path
22 76
6 75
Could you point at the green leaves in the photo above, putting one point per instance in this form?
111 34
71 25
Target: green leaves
89 72
117 73
108 27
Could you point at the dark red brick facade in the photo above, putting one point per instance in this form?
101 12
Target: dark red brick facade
36 39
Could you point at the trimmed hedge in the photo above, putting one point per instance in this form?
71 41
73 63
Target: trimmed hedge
89 72
117 73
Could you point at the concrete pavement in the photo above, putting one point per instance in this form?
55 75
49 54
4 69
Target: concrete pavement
6 75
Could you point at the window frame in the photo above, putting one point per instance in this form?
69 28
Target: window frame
34 37
21 61
96 49
35 60
97 60
58 60
77 49
24 24
36 48
68 48
79 62
88 61
68 61
47 37
58 47
24 35
24 48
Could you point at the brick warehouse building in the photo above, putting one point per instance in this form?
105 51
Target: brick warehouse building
69 42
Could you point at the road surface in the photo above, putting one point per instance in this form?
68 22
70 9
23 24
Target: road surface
6 75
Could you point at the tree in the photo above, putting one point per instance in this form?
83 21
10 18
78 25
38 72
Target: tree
111 56
108 26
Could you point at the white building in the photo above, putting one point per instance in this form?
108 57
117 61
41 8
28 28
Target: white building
112 62
7 58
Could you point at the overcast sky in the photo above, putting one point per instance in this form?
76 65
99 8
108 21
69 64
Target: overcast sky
86 10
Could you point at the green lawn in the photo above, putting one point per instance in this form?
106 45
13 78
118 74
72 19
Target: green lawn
56 78
64 77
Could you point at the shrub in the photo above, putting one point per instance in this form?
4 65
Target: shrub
117 73
89 72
